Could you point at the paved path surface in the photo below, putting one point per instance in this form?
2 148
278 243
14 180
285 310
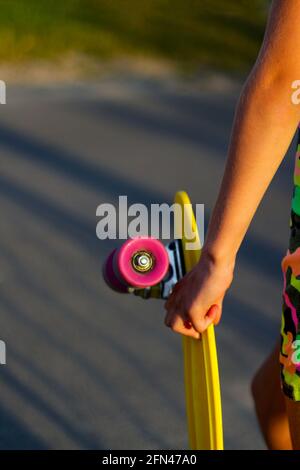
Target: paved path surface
87 368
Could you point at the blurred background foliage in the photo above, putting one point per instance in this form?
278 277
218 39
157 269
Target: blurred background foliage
218 34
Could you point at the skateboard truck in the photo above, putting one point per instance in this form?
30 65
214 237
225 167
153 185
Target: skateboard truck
175 273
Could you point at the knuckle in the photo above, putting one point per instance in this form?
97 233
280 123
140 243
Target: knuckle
176 328
199 325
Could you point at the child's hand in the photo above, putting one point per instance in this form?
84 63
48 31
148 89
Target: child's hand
196 300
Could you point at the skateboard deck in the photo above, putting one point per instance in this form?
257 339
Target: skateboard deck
201 373
145 267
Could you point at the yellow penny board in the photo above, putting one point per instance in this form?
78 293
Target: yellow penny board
201 373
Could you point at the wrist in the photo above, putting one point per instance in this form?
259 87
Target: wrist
218 259
220 270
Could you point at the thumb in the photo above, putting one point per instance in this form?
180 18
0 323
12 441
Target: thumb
212 313
217 312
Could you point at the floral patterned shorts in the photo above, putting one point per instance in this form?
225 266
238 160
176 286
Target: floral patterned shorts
290 327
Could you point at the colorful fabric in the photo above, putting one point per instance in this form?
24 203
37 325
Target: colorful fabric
290 326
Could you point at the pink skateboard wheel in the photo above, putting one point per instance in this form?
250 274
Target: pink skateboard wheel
141 262
110 277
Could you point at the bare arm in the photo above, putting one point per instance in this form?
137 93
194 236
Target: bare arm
264 124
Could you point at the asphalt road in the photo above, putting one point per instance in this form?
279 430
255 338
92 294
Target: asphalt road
87 368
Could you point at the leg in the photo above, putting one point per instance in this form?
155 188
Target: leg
293 411
270 404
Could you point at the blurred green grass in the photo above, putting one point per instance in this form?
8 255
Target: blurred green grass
218 34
